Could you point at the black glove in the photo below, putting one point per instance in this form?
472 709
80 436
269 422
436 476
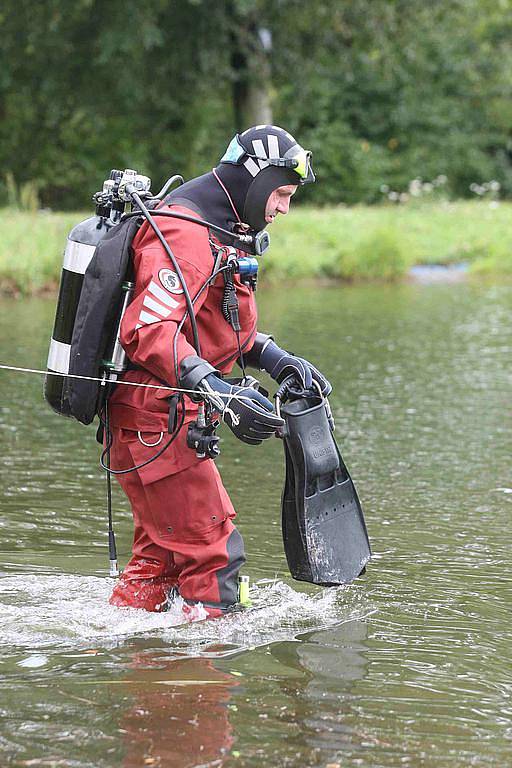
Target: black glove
280 364
248 414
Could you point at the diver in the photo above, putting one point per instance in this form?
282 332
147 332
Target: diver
185 542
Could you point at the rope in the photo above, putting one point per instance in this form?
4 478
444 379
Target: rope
117 382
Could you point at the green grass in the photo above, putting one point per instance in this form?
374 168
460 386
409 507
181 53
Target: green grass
31 249
359 243
382 242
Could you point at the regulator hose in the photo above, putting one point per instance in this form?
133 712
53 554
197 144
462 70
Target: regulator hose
131 190
254 244
105 456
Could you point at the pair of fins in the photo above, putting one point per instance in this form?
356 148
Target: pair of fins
324 532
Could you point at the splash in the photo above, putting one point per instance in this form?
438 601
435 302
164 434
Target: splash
41 611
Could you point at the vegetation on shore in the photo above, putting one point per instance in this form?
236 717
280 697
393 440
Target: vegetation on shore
384 242
347 243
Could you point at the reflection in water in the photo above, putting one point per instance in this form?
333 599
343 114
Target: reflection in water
177 714
333 660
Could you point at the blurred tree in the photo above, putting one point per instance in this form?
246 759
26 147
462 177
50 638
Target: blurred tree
382 90
251 49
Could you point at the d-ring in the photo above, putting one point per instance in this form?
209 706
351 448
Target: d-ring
150 445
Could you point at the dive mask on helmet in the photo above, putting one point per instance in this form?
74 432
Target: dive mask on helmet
296 159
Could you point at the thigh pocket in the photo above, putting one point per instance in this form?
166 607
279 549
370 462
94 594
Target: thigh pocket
189 506
144 447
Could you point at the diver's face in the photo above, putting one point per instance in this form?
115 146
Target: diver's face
279 202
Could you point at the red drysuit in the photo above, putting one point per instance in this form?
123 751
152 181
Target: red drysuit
183 529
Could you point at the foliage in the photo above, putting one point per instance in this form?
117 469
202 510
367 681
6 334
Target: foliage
383 91
380 255
22 197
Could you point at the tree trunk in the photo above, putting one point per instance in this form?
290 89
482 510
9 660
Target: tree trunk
251 63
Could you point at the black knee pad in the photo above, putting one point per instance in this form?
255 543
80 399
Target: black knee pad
227 577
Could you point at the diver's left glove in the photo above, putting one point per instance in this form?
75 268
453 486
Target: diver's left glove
268 356
248 414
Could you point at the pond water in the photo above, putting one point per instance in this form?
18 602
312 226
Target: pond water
410 665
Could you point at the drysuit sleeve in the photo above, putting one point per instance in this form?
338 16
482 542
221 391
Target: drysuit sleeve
151 321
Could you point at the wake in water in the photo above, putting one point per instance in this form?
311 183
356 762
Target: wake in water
48 610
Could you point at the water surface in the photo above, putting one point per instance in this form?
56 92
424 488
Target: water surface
411 665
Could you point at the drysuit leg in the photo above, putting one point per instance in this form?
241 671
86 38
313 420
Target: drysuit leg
151 572
183 526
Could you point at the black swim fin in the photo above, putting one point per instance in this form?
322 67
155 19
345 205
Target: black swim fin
324 531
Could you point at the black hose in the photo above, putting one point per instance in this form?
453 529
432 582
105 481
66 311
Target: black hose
136 198
108 445
112 549
242 241
168 184
106 452
183 319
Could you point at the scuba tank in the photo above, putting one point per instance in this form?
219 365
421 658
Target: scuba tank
93 294
80 247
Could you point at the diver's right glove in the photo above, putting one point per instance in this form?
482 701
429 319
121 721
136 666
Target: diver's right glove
248 414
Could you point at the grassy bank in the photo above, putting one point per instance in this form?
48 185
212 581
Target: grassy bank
383 242
359 243
31 249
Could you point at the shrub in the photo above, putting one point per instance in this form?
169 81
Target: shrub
381 255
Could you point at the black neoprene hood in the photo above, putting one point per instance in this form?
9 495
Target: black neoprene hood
256 163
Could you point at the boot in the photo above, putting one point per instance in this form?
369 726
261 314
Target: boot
143 584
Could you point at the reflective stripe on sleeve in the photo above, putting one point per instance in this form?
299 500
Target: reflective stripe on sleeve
162 295
146 318
156 307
